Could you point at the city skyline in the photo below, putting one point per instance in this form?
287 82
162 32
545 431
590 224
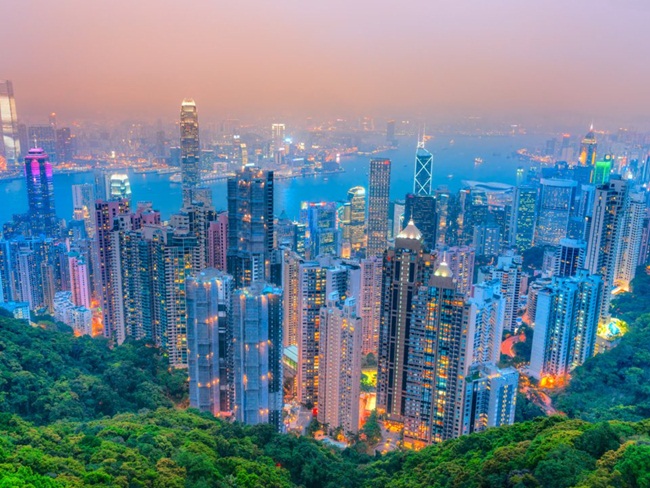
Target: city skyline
469 62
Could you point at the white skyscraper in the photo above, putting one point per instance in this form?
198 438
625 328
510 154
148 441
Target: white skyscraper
209 341
340 365
9 141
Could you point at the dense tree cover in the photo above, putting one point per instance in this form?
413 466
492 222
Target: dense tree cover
616 383
48 374
173 448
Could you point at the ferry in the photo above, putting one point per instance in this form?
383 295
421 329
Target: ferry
478 161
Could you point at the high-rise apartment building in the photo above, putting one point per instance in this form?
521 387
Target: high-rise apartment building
107 272
250 226
339 365
378 191
407 268
566 322
605 237
490 397
257 354
369 303
40 194
190 148
9 140
508 271
460 260
291 289
631 241
435 362
209 341
217 241
485 320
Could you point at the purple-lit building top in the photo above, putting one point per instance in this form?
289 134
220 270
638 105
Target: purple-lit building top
40 193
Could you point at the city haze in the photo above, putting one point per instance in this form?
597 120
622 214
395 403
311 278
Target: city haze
579 60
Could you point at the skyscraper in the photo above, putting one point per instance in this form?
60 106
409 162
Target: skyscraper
555 208
218 241
40 194
588 149
508 271
9 141
569 257
190 148
602 170
490 397
83 203
107 269
407 268
339 365
423 176
257 354
460 260
606 229
523 217
250 226
422 210
209 341
566 321
354 230
434 363
631 241
321 221
378 190
369 303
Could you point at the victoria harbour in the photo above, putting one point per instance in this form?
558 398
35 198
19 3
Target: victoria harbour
454 161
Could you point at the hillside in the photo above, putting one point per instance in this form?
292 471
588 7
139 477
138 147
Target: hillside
616 385
171 448
48 375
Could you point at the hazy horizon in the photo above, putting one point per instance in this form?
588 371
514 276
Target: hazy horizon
566 61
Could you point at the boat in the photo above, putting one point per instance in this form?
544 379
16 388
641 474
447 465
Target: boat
450 176
176 178
478 161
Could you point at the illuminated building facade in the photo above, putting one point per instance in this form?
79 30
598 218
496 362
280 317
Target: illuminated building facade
407 268
321 221
40 194
588 149
435 363
190 148
378 191
422 210
423 176
555 208
209 341
250 226
339 365
9 140
257 354
602 170
606 229
369 303
523 217
566 322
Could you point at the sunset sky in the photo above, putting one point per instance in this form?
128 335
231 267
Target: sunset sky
526 58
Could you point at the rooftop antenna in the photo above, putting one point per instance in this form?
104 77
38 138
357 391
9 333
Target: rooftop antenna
424 137
35 142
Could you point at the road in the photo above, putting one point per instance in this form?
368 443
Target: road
507 346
